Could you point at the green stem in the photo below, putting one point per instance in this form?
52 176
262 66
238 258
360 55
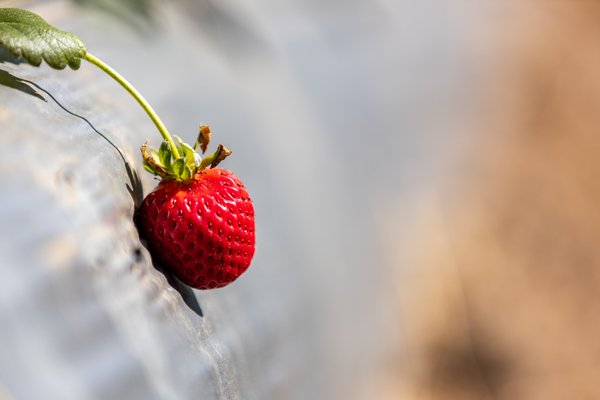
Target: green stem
136 95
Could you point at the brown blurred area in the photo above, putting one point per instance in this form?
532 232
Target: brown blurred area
498 264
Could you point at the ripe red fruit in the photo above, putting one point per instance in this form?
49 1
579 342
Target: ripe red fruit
201 229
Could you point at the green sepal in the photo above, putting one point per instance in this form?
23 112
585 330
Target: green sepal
150 169
160 162
187 173
214 159
165 155
178 166
188 153
151 163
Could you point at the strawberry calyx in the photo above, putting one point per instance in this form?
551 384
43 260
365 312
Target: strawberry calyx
181 162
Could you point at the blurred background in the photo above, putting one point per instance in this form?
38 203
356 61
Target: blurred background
425 182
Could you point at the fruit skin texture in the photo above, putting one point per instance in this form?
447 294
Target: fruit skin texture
202 230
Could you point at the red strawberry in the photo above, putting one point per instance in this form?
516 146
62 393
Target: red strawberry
198 223
202 230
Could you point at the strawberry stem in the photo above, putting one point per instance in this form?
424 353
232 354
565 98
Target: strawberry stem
140 99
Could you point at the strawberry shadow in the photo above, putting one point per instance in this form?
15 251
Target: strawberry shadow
186 292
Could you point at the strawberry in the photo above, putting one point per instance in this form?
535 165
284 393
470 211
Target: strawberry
199 222
203 229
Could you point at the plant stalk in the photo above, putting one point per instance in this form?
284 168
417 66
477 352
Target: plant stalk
140 99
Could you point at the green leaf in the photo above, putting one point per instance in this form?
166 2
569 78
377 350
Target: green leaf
29 36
